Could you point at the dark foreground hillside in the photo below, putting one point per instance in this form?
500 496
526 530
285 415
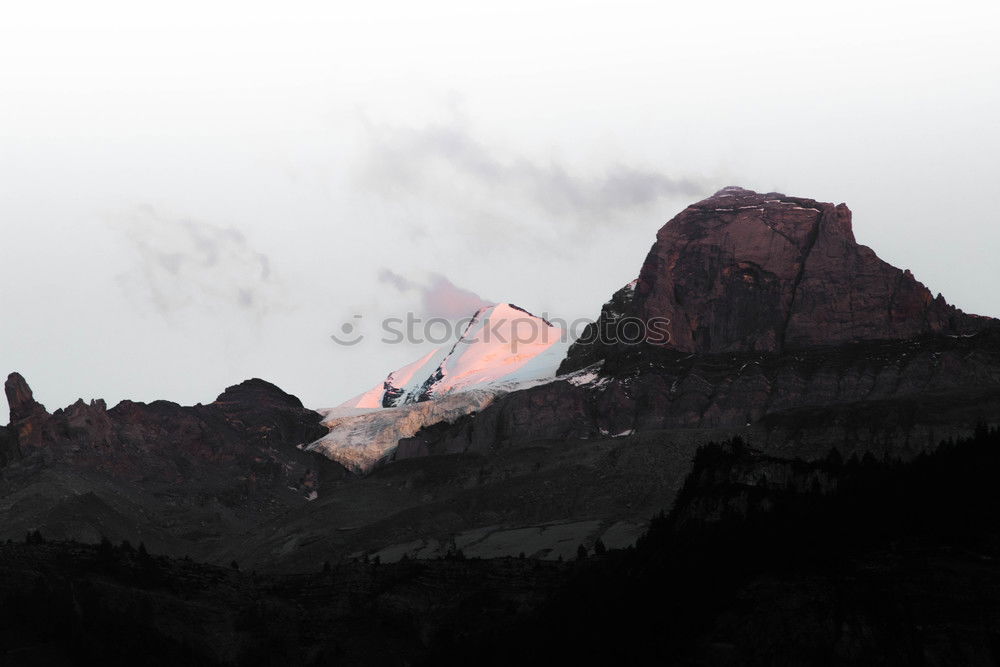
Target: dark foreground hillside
762 561
768 561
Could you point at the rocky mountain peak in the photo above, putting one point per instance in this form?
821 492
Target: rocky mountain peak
20 398
258 392
766 272
776 207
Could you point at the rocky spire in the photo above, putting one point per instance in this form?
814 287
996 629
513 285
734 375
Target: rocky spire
22 402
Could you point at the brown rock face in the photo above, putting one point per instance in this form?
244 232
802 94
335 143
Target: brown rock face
27 416
749 272
20 398
742 271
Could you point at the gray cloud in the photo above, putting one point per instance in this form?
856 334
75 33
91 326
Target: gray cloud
182 263
399 282
405 158
439 297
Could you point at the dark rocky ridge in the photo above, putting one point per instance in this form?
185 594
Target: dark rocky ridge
184 479
226 481
889 397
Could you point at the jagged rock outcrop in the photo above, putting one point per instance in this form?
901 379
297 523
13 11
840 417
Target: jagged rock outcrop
20 398
748 272
179 473
26 414
253 414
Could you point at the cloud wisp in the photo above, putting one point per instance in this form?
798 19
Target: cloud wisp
183 264
439 297
407 159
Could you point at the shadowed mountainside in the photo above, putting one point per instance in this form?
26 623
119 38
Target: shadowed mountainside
183 479
762 561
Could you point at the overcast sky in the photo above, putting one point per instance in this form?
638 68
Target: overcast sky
203 192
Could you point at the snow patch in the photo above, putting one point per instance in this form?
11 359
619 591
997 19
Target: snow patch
361 441
584 379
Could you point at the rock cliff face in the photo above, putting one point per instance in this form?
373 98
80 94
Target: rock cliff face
8 446
894 398
748 272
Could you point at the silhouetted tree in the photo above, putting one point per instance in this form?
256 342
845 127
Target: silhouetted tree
453 552
106 556
599 547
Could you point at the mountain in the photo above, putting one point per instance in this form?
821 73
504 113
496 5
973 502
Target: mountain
502 345
748 272
183 479
491 450
811 418
590 453
760 315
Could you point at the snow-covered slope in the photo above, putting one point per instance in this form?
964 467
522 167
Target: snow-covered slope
360 438
400 385
502 346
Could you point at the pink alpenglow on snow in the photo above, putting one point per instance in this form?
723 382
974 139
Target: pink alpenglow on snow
409 377
502 345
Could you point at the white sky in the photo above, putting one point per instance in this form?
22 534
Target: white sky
203 192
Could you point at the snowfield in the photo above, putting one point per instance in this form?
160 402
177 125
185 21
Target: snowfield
502 349
502 344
